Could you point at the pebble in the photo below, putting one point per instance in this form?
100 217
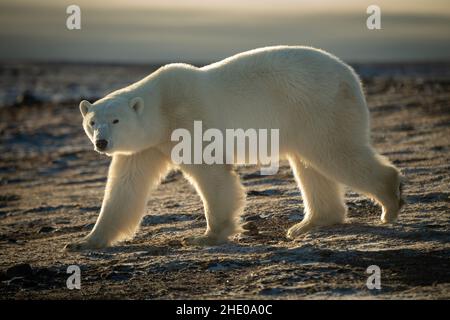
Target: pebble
46 229
251 229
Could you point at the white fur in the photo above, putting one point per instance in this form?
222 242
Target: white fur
315 100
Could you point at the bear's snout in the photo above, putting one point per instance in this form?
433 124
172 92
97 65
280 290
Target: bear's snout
101 144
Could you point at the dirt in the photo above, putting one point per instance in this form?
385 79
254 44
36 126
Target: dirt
51 188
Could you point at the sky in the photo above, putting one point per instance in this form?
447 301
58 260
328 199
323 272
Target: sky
155 31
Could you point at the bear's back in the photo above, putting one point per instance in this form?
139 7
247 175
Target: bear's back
276 57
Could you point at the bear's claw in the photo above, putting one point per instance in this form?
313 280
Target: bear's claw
74 246
82 245
299 229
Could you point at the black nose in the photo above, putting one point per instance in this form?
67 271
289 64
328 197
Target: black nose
101 144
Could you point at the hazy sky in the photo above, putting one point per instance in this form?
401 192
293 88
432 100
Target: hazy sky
199 30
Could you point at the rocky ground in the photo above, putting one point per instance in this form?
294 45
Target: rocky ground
51 188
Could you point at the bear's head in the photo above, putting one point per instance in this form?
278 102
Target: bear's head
118 125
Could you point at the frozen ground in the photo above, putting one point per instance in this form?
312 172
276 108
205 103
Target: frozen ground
51 188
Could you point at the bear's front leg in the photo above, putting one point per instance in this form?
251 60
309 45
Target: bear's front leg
223 199
129 180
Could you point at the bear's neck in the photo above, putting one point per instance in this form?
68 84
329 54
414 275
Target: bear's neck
172 84
173 91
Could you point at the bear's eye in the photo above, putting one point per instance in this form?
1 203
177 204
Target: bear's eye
115 121
92 123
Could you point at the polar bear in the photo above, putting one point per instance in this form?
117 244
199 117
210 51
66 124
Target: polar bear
313 98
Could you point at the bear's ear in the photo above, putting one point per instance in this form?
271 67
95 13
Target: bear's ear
137 104
84 107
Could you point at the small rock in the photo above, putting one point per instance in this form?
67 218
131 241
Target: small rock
46 229
123 268
16 241
175 243
172 205
62 221
265 215
264 193
255 193
438 148
117 276
295 217
250 225
252 217
157 251
217 267
253 175
271 291
173 176
19 270
251 229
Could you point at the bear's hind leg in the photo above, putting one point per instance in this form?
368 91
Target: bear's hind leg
363 169
323 199
223 198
